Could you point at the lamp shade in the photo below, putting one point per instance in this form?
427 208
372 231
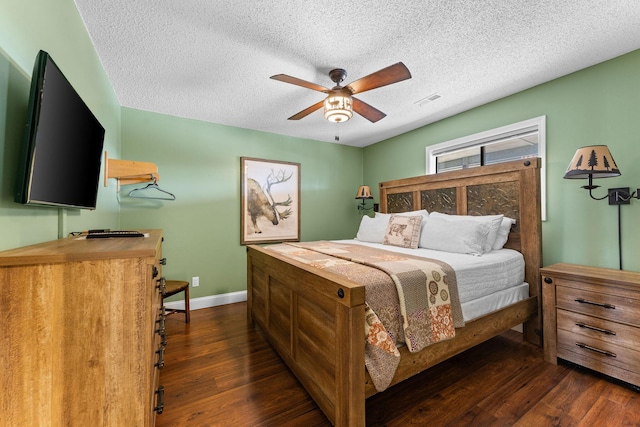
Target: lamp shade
592 161
338 106
364 192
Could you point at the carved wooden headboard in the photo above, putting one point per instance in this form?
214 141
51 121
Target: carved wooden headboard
511 188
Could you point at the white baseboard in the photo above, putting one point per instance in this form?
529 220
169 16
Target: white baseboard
210 301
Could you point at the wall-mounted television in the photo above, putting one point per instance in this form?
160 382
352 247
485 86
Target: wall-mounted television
62 146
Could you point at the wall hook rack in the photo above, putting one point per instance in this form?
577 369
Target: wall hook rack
129 171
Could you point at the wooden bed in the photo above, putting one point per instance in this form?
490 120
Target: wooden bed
314 318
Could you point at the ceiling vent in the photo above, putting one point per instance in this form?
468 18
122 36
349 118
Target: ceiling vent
427 99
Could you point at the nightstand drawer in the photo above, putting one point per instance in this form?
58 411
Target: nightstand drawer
599 329
595 354
608 306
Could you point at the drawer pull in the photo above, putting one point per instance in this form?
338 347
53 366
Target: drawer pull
597 350
161 329
163 261
584 301
163 337
604 331
160 400
160 321
162 286
160 363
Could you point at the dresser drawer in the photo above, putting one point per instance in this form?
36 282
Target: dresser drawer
608 306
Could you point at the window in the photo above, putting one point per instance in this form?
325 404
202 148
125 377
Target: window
511 142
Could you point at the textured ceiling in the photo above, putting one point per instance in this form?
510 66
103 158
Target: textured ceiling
211 60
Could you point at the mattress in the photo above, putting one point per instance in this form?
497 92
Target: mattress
477 276
490 303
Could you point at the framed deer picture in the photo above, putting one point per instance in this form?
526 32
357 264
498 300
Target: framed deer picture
270 202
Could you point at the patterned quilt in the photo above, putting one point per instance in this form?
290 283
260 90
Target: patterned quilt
409 300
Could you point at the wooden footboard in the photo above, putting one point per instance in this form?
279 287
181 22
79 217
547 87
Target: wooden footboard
315 321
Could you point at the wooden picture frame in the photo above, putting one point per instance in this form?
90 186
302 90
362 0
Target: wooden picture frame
270 201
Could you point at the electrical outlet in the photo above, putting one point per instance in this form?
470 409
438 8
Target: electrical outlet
195 281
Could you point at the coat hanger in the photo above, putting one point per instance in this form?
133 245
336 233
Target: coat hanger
137 193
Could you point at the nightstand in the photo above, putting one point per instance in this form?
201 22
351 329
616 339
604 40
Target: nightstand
591 317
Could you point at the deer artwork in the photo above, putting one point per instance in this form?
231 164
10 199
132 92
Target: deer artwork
258 204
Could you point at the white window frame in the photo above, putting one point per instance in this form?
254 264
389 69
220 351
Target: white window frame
538 124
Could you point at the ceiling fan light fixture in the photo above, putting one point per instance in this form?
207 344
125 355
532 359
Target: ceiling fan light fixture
338 107
339 103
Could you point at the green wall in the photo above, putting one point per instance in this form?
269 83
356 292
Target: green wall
597 105
56 27
200 163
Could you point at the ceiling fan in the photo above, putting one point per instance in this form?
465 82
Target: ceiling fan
340 103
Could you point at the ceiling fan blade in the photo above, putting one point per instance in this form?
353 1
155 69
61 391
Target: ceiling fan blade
367 111
392 74
299 82
307 111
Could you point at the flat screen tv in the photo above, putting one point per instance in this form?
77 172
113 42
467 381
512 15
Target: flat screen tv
62 147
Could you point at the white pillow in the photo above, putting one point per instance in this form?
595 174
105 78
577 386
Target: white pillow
503 233
372 229
464 236
493 220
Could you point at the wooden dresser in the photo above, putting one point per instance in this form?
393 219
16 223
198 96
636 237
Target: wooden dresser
81 337
591 317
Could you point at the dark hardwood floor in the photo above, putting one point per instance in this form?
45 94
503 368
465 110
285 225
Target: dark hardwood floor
219 371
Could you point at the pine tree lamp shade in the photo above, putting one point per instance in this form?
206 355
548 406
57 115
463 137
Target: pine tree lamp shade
364 192
593 161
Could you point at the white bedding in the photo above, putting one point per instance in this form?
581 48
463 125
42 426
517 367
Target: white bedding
487 304
485 283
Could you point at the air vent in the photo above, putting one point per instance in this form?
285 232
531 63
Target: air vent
427 99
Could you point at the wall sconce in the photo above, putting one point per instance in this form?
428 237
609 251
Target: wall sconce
364 192
596 161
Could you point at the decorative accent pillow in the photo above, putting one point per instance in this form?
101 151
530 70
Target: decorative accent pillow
503 232
493 220
372 229
464 236
421 212
403 231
